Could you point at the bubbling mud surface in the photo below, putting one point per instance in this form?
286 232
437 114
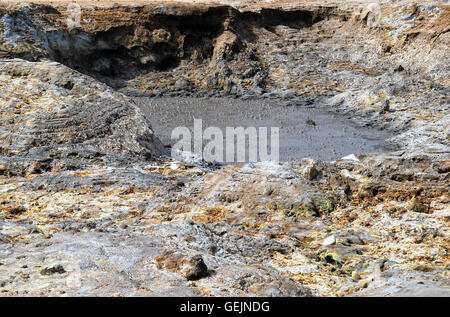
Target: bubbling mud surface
304 131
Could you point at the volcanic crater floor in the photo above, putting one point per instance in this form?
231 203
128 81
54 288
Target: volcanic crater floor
92 205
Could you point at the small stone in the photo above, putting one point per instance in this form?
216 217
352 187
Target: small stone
310 172
194 268
53 269
258 91
419 207
161 36
250 72
399 68
329 241
182 84
355 276
268 191
385 107
311 122
363 284
190 267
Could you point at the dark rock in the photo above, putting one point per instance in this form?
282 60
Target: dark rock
190 267
194 268
250 72
385 107
311 122
53 270
420 207
310 172
17 210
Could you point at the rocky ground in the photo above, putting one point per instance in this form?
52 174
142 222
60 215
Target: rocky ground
91 205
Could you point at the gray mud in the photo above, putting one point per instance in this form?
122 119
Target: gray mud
304 132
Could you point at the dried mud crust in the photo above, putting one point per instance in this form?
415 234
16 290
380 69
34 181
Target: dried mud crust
88 208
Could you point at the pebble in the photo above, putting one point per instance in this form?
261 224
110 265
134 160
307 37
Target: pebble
329 241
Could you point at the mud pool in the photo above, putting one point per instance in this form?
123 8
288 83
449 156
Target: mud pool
304 131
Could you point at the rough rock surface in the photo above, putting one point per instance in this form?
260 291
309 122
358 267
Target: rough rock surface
50 111
89 207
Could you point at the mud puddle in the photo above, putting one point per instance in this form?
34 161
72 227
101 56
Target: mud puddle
304 132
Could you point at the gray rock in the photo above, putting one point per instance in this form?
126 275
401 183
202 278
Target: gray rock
250 72
91 114
193 268
183 84
310 172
